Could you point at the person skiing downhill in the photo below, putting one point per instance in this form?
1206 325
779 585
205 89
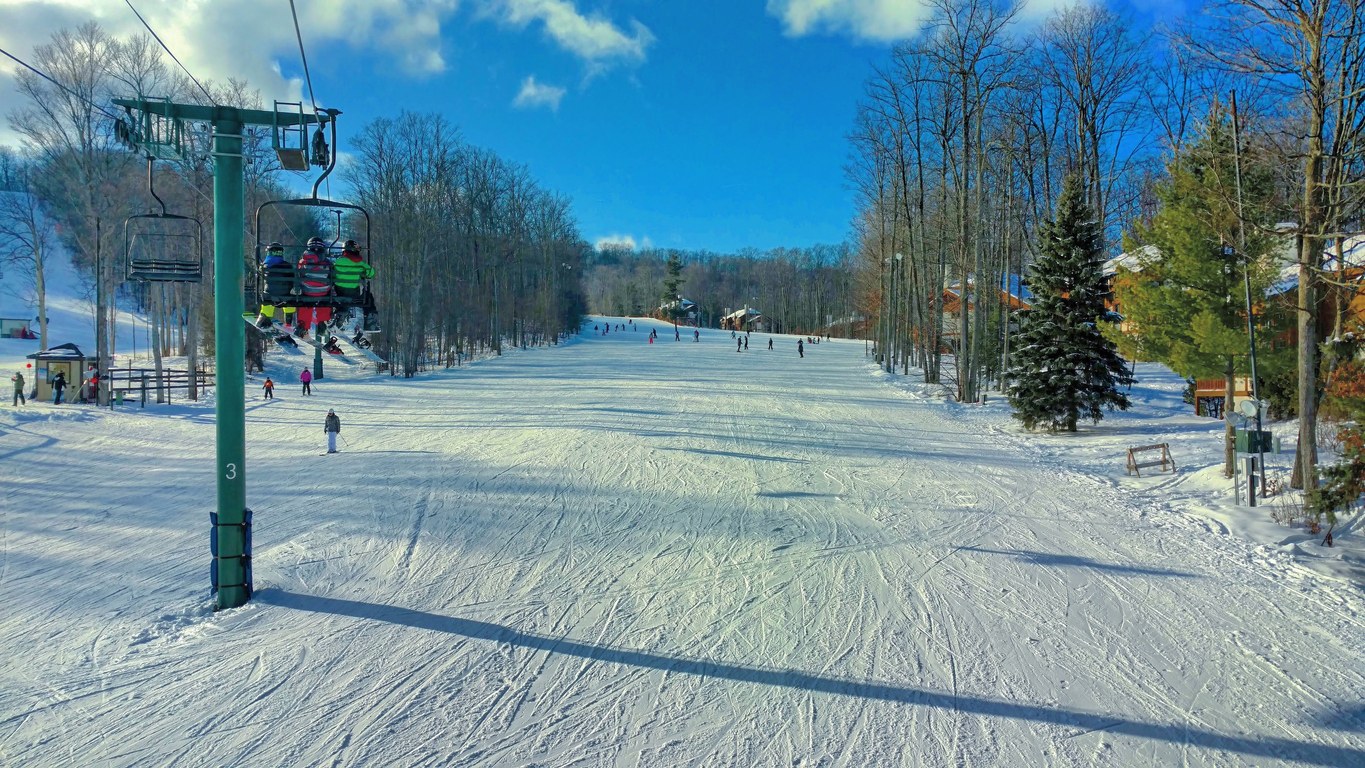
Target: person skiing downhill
18 379
269 387
696 335
332 426
307 378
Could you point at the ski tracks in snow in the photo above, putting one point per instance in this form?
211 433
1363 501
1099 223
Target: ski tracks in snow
622 554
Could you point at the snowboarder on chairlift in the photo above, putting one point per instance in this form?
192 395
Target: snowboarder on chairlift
352 281
307 379
281 279
18 379
315 279
332 426
269 387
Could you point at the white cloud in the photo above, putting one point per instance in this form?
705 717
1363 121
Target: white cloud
875 20
595 39
535 94
243 38
880 20
625 240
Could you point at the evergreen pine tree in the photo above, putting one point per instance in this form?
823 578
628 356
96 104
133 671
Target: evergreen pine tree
671 298
1064 367
1184 303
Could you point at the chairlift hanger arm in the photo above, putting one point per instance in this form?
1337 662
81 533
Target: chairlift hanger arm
331 118
202 113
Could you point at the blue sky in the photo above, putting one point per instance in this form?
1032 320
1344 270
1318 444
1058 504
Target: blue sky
729 133
712 124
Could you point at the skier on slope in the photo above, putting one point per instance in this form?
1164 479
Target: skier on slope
770 345
746 343
269 387
739 343
332 426
696 335
18 379
800 349
307 379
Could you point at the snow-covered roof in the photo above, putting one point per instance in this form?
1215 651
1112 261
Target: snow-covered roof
741 313
1352 253
1012 285
60 352
1131 260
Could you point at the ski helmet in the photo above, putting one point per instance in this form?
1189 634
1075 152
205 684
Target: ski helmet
351 246
315 243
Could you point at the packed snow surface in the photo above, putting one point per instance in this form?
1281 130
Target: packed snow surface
616 553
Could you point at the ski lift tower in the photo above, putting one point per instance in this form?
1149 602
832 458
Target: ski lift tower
151 124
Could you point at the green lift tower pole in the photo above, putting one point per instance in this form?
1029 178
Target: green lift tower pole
232 529
230 351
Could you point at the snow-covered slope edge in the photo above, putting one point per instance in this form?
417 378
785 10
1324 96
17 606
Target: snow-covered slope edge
1197 487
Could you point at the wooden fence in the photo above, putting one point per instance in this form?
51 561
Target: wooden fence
141 384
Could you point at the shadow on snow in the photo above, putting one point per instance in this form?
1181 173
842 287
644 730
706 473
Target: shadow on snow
1315 754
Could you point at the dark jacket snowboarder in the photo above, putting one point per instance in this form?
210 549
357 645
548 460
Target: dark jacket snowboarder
800 348
18 379
58 387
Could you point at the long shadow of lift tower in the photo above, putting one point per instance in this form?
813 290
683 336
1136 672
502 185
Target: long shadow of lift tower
157 127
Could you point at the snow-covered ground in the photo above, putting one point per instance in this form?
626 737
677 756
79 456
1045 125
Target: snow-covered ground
628 554
1198 486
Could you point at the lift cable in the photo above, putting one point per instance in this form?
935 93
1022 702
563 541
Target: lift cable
307 77
169 53
30 68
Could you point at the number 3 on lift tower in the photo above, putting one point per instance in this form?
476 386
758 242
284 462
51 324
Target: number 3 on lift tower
231 472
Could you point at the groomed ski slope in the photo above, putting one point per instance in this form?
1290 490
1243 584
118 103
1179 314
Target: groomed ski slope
613 553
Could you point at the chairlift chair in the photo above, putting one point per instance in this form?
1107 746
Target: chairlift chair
294 250
163 247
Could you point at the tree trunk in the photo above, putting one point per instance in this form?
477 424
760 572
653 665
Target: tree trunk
1306 457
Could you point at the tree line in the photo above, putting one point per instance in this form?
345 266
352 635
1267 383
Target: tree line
464 241
967 132
798 290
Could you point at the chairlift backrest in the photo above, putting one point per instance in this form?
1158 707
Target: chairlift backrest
270 286
164 247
